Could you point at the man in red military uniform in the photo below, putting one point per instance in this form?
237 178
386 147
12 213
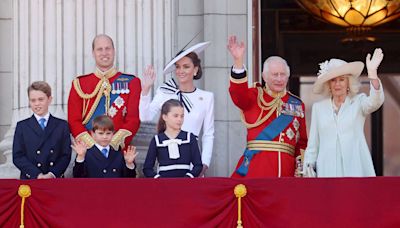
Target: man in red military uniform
104 92
275 120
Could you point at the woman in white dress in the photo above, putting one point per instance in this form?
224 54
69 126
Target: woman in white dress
336 145
198 104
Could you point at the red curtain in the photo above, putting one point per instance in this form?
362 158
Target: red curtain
203 202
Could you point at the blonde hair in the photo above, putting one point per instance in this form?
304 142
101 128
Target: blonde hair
354 86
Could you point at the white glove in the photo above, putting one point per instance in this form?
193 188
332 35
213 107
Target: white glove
309 171
373 63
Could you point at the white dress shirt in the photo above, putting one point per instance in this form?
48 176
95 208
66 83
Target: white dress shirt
46 117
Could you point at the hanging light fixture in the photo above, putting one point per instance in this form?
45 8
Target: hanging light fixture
358 16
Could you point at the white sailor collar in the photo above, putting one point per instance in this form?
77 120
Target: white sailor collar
172 144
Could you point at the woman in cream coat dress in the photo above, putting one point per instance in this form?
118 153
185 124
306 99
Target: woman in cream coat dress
337 146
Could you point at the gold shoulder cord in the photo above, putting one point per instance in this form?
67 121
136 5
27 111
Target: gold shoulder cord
271 107
102 87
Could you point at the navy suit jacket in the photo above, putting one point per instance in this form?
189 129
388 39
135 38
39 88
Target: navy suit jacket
98 166
38 151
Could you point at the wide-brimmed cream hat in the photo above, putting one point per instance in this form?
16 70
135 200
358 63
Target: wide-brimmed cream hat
198 48
335 68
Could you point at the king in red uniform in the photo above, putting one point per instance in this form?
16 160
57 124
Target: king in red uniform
275 119
104 92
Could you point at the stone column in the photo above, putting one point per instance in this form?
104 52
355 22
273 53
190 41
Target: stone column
217 20
52 42
223 18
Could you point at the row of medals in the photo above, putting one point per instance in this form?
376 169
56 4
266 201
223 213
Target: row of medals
292 110
120 88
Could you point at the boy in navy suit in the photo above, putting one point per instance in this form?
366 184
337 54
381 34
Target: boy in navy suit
101 160
42 143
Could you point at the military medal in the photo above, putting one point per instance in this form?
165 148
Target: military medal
300 111
112 111
118 88
125 88
119 102
122 86
289 133
113 88
297 136
296 124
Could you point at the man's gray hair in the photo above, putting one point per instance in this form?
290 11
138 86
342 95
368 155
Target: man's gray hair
275 59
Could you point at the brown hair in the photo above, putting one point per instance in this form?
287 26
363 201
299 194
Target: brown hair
40 86
197 63
102 35
165 109
102 122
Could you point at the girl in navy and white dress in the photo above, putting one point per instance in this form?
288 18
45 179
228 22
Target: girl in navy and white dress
173 148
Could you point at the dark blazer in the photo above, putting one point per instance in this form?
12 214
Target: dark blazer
98 166
38 151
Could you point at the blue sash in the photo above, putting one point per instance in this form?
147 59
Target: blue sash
101 108
268 134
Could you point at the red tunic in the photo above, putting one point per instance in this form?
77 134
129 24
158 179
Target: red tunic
126 117
267 163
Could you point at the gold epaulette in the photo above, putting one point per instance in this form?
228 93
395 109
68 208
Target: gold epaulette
119 138
86 138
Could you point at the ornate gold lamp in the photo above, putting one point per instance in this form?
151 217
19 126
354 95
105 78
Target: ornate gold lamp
358 16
